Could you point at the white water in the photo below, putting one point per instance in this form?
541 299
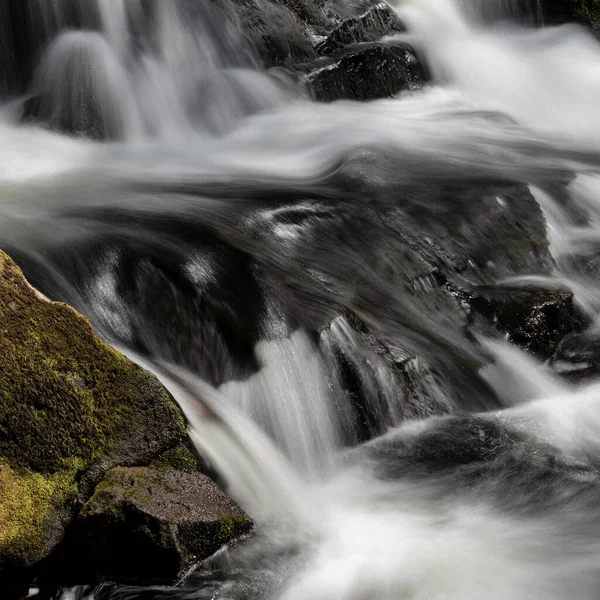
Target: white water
275 435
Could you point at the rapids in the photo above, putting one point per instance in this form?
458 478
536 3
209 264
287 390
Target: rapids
213 224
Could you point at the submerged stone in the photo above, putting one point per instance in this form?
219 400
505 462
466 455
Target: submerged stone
577 357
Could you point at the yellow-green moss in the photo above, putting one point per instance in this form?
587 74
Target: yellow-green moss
231 527
181 458
31 512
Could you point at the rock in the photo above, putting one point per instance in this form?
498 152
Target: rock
367 22
364 72
425 240
577 357
71 408
383 386
286 32
482 231
442 445
154 524
534 319
277 34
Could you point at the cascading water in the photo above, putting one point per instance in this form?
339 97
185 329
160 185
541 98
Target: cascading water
249 245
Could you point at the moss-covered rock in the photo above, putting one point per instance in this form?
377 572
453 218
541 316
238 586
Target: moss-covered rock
180 458
153 523
71 407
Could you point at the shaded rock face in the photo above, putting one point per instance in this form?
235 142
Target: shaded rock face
71 408
152 524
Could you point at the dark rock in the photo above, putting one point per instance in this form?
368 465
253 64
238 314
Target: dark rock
443 446
383 386
393 254
370 24
296 31
577 357
483 231
276 33
532 318
364 72
153 524
484 459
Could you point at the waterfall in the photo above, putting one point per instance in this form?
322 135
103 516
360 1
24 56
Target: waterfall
300 275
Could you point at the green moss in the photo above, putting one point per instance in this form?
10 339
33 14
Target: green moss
231 527
181 458
121 485
31 512
103 500
61 384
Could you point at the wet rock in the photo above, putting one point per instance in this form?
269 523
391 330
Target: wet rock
383 386
535 319
364 72
477 229
443 445
482 231
278 34
424 241
152 524
577 357
368 22
71 407
295 31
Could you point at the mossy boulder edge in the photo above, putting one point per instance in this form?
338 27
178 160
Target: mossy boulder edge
71 408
